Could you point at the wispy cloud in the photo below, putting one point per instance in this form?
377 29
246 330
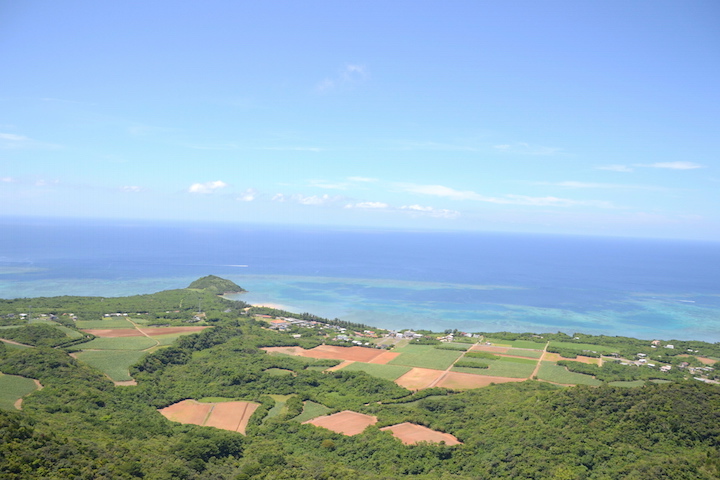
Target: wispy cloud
522 148
593 185
664 165
328 185
362 179
351 74
673 165
616 168
12 141
447 192
292 149
207 187
131 189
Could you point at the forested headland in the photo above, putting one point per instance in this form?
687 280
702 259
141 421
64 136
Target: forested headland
82 425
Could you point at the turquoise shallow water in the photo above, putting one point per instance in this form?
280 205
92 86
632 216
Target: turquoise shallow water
473 282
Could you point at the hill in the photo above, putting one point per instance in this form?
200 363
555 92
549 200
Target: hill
216 285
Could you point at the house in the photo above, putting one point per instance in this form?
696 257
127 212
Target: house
665 368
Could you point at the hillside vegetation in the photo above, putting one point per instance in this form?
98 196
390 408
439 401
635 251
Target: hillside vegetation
81 426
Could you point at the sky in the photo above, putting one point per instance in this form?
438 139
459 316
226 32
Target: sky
590 118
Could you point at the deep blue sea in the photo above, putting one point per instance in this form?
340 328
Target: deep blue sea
665 289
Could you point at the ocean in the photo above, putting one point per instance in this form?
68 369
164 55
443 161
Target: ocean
475 282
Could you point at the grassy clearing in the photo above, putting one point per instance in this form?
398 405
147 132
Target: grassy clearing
551 372
13 388
636 383
516 343
12 346
425 356
280 407
311 410
583 346
113 363
524 353
119 343
278 372
115 322
388 372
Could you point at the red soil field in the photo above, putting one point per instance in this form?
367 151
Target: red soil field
131 332
355 354
486 348
418 378
231 416
345 422
187 411
465 381
410 434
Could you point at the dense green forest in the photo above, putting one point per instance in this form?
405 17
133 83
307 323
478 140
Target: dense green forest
81 426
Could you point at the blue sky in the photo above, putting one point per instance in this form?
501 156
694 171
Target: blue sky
555 117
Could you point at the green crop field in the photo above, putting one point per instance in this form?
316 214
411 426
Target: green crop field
425 356
112 363
119 343
113 322
279 408
13 388
168 338
516 343
311 410
502 368
520 352
388 372
453 346
551 372
583 346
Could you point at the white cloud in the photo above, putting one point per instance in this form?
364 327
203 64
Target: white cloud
615 168
307 199
673 165
8 180
248 195
362 179
431 211
442 191
368 205
131 189
207 187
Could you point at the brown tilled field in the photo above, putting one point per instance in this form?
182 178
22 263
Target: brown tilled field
345 422
466 381
231 416
418 378
410 434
